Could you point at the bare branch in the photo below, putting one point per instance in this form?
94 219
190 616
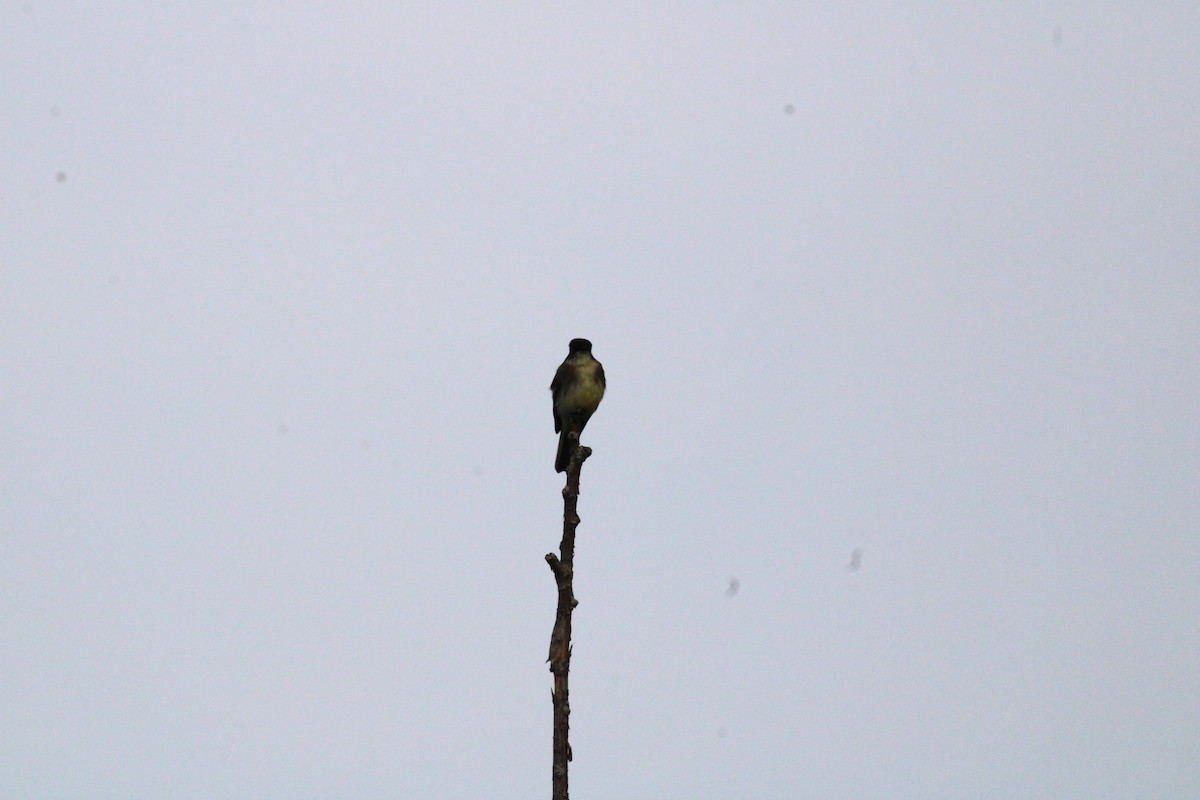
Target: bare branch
563 567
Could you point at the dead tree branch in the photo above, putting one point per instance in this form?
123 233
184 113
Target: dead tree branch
563 567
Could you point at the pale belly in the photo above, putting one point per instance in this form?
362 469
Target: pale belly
584 395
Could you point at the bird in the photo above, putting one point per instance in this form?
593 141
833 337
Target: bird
855 560
576 391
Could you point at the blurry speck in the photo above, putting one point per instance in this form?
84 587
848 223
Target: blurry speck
55 111
114 281
1057 36
283 430
477 470
789 109
734 585
722 732
60 176
855 560
365 444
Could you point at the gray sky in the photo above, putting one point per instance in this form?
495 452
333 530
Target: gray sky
282 288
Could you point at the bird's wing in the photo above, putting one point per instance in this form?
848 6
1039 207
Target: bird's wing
556 385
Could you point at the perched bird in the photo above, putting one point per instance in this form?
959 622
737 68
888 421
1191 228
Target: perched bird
576 391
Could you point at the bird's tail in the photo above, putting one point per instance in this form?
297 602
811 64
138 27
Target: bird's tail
564 451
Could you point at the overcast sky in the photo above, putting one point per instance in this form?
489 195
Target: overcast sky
282 288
